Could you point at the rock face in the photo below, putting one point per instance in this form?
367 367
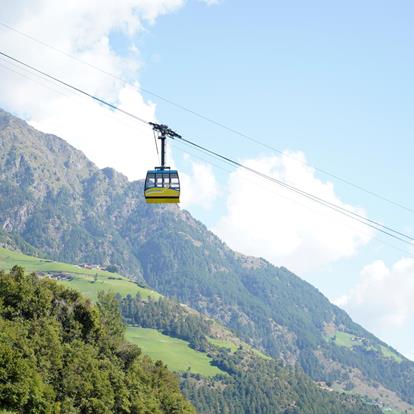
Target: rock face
56 203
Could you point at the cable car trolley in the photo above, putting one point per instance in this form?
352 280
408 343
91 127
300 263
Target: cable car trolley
162 185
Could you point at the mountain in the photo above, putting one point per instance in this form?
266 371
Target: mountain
65 211
55 203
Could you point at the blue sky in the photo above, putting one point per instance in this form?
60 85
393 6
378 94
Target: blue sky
334 81
330 82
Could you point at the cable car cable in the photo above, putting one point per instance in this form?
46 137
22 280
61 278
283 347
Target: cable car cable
25 76
234 163
364 220
184 148
292 188
103 102
211 120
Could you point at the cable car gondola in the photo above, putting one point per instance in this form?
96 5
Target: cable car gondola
162 185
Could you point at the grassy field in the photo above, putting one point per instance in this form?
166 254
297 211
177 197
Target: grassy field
259 353
348 340
83 279
220 343
389 353
223 343
174 352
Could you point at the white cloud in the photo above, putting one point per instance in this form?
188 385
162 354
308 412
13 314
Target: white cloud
383 297
82 28
105 136
265 220
199 188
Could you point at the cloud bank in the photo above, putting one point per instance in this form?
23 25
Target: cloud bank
82 29
383 299
263 219
200 187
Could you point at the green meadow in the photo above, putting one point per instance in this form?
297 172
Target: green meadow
228 344
348 340
83 279
345 339
221 343
175 353
389 353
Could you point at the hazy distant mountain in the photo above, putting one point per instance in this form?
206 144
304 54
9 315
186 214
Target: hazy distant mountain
55 202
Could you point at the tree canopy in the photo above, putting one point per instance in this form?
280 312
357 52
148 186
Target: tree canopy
59 353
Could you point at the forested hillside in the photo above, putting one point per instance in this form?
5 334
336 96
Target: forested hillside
61 354
58 204
254 383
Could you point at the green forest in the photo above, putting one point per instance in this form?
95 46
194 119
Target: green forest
253 384
59 353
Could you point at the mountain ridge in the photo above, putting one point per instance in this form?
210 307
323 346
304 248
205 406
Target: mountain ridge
97 216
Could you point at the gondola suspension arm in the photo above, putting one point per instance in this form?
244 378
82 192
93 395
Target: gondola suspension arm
164 132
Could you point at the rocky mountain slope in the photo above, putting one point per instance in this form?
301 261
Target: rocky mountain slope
55 202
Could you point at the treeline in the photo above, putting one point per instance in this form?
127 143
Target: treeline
258 386
61 354
253 385
166 316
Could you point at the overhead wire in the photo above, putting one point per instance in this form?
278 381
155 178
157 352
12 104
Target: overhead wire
211 120
25 76
184 148
362 217
357 217
56 88
61 90
81 91
403 237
